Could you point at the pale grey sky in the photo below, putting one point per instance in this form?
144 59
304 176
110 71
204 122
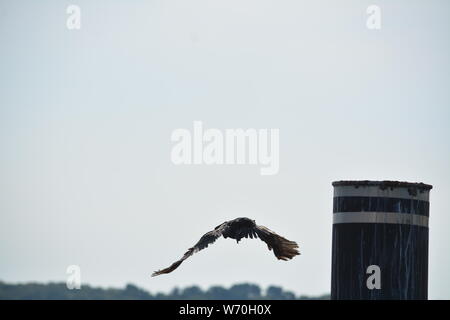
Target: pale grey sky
86 118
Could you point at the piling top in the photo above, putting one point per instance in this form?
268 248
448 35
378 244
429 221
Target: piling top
413 187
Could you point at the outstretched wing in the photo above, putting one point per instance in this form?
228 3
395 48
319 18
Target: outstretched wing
204 242
283 248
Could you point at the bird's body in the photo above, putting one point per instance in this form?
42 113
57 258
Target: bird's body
237 229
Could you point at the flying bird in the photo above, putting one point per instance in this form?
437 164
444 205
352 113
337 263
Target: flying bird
237 229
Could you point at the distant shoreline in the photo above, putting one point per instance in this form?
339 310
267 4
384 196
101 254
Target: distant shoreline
59 291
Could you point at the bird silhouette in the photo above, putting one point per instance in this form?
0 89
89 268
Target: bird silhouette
237 229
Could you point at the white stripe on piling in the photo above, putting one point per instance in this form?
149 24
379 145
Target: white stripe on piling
380 217
376 191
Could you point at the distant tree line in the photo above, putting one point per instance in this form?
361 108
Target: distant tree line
59 291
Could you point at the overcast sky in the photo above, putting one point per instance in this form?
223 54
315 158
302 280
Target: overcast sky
86 118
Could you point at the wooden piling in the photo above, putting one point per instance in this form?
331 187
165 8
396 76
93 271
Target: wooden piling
380 240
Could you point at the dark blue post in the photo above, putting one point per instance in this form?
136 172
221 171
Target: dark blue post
380 240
